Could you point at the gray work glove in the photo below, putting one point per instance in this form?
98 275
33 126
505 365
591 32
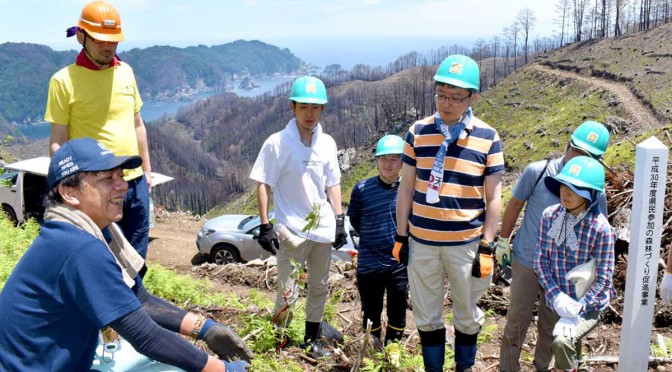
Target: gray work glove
226 344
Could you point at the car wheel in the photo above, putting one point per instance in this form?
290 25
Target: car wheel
11 215
223 254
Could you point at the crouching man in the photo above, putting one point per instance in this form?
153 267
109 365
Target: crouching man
70 283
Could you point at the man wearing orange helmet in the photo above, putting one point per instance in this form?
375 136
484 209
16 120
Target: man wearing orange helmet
97 97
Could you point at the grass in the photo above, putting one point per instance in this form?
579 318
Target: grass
13 244
535 114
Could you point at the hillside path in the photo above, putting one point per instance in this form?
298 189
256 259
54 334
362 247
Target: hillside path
643 116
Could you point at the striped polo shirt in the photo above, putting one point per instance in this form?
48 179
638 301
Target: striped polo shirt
459 215
374 204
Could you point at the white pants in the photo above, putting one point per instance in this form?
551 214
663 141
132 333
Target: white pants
427 268
317 258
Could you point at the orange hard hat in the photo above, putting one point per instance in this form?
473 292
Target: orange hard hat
101 21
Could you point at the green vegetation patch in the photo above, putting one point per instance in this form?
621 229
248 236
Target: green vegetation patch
535 114
14 242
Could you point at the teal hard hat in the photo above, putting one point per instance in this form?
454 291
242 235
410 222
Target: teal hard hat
460 71
390 144
309 89
583 174
592 137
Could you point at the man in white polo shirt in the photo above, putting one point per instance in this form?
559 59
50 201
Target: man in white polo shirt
300 165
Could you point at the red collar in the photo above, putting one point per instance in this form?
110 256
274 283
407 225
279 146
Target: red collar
84 61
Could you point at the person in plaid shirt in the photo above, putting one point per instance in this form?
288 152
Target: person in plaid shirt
575 257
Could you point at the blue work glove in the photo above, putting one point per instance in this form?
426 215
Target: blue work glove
267 238
224 341
237 366
341 235
400 249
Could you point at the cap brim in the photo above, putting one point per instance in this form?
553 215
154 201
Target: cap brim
123 162
553 185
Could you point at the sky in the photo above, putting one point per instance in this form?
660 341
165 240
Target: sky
319 32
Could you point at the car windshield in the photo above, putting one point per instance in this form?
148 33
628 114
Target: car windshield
8 178
241 225
252 222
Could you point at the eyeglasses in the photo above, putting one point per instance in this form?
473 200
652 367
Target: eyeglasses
441 98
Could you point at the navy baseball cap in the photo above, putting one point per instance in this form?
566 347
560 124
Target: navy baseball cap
86 155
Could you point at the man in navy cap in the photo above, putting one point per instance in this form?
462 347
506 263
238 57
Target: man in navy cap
71 282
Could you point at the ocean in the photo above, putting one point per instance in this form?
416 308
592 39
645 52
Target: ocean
152 110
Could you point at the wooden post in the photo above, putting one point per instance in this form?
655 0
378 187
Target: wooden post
643 254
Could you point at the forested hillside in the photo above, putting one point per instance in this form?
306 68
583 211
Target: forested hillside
161 71
534 110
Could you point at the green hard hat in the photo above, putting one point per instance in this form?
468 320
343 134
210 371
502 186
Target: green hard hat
390 144
460 71
591 136
309 89
581 174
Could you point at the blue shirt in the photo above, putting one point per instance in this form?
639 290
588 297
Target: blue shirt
538 198
373 203
63 290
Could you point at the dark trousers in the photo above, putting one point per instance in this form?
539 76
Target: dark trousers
372 288
135 222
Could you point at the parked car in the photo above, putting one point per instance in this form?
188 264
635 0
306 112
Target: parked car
23 188
233 238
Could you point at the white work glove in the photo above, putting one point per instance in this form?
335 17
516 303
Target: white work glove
566 306
566 327
666 288
503 253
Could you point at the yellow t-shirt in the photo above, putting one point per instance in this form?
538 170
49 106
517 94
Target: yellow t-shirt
100 104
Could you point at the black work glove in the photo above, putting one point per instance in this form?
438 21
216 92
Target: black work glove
341 235
482 265
400 249
226 344
267 238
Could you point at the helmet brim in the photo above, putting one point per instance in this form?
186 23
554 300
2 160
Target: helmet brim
316 101
112 38
455 82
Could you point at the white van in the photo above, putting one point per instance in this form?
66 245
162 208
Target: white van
23 188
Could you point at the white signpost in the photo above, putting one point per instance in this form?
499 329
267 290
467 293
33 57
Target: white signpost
643 253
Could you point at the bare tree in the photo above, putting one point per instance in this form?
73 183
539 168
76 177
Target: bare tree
526 18
495 47
506 36
579 9
619 6
515 29
562 8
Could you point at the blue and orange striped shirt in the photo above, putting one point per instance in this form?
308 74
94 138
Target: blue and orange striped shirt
459 215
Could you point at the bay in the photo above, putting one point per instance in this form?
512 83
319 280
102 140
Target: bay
152 110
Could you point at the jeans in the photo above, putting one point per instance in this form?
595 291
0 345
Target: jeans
135 222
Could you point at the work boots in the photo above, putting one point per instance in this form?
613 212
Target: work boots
312 344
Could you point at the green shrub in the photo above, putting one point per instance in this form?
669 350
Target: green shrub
13 244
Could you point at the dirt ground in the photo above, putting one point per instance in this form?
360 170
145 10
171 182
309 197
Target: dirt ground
173 246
